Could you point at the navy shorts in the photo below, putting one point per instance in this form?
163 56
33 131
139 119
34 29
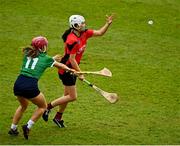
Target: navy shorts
26 87
68 79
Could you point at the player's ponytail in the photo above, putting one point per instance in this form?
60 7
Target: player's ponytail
31 52
66 33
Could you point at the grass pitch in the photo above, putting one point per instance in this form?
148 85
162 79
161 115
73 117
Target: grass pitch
144 60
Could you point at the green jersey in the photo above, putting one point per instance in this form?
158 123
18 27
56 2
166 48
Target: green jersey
34 67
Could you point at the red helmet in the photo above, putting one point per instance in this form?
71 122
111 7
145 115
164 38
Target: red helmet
39 42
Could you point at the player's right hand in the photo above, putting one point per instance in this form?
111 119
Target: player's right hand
81 77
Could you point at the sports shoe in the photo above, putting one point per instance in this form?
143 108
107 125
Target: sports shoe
59 123
25 131
13 132
45 115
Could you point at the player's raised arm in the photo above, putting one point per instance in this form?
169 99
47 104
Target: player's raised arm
103 29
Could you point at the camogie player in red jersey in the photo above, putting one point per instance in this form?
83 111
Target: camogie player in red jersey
75 40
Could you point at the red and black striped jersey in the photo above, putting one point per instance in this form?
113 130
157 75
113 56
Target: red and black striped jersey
75 45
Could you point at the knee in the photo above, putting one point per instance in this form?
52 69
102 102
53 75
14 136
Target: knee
44 107
73 98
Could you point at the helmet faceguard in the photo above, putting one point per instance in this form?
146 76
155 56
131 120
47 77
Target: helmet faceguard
75 21
40 43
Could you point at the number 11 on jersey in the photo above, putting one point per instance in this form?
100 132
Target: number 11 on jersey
34 62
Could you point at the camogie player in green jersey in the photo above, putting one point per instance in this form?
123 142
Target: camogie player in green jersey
26 88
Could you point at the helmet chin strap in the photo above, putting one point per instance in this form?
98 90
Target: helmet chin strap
77 28
76 32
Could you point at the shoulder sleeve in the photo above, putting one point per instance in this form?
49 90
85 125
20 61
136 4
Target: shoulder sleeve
89 33
71 39
49 61
71 45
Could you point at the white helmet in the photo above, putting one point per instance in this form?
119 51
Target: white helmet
76 20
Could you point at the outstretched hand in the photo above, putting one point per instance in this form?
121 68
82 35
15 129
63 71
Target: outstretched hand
77 73
109 19
81 77
57 57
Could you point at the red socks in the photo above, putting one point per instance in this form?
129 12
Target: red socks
58 116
